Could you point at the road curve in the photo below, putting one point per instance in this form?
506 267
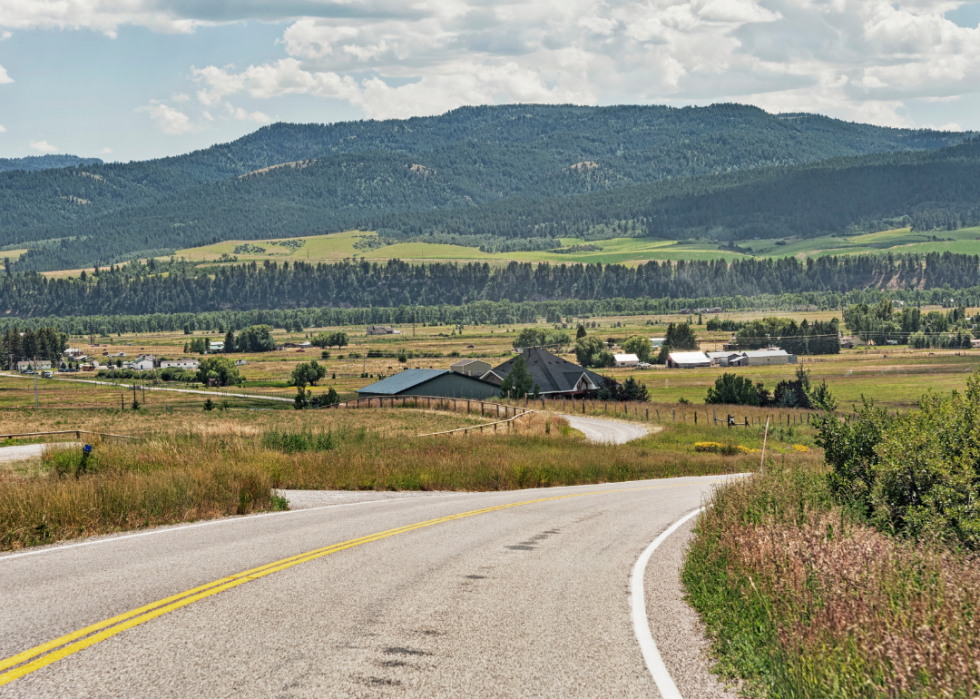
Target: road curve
520 593
603 431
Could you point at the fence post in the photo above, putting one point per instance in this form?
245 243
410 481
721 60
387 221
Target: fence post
673 417
695 417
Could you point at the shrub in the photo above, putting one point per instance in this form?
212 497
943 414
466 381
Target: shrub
293 442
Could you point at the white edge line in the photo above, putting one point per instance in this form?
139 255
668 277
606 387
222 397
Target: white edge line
641 625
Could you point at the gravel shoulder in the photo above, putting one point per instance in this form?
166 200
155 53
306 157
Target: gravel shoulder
25 452
676 627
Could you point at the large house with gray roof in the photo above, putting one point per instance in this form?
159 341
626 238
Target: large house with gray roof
431 382
553 375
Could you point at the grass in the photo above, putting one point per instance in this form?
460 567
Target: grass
216 466
801 600
631 251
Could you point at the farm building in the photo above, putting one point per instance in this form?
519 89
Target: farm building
658 342
553 375
382 330
470 367
687 360
727 358
216 346
186 364
626 360
30 364
430 382
769 356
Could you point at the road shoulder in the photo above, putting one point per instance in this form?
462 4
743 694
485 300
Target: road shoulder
676 627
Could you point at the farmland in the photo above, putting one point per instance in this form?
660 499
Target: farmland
630 251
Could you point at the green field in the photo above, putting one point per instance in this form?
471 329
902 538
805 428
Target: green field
630 251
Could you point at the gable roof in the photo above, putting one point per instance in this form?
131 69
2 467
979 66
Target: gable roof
551 373
689 358
402 381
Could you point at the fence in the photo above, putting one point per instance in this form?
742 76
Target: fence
78 434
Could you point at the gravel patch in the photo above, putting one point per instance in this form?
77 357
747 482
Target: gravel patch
25 452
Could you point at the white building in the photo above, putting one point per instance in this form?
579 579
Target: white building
773 355
626 360
216 346
74 352
29 364
657 341
687 360
142 365
727 358
185 364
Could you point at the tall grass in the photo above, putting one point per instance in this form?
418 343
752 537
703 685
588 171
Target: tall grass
802 600
206 473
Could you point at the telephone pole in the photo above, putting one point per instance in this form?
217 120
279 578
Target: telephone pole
35 382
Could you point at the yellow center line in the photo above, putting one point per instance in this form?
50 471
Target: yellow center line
90 635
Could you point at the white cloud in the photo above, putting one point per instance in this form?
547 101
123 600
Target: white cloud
5 35
240 114
3 129
169 120
4 78
106 151
43 147
856 59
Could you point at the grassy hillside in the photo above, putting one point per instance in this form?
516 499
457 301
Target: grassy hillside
628 251
349 173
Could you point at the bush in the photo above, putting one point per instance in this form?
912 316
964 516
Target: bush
293 442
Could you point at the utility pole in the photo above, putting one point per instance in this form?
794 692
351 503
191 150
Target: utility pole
35 382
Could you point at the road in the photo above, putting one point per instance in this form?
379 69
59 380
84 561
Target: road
509 594
30 451
607 431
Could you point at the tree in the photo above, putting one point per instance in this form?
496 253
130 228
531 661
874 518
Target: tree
256 338
519 382
308 373
217 367
680 337
640 346
580 333
530 337
230 341
589 351
303 397
732 389
334 339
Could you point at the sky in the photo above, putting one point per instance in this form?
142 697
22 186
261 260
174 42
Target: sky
135 79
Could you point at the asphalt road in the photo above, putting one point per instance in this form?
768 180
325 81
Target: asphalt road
525 600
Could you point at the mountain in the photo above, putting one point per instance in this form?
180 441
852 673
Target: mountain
33 163
290 179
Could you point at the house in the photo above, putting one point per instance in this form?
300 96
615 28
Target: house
185 364
382 330
658 342
74 352
240 362
216 346
300 345
773 355
31 365
143 365
687 360
470 367
626 360
553 375
431 382
727 358
847 342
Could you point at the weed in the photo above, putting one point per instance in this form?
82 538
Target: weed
292 442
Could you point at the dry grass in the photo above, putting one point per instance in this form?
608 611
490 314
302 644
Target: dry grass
180 472
803 602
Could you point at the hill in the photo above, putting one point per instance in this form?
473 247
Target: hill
33 163
333 177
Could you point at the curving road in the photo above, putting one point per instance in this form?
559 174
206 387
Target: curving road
603 431
505 594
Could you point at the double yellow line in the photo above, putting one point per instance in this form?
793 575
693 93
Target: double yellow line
24 663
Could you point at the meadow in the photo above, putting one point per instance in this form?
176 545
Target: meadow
630 251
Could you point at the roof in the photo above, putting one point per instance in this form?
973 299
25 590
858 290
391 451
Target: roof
551 373
689 357
766 353
402 381
464 362
626 358
714 355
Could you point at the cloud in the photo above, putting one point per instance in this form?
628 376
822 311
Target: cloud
169 120
106 151
181 97
855 59
3 129
5 35
240 114
43 147
4 78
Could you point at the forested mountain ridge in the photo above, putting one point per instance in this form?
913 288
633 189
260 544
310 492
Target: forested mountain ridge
33 163
468 156
135 289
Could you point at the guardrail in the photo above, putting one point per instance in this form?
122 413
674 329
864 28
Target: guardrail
78 434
